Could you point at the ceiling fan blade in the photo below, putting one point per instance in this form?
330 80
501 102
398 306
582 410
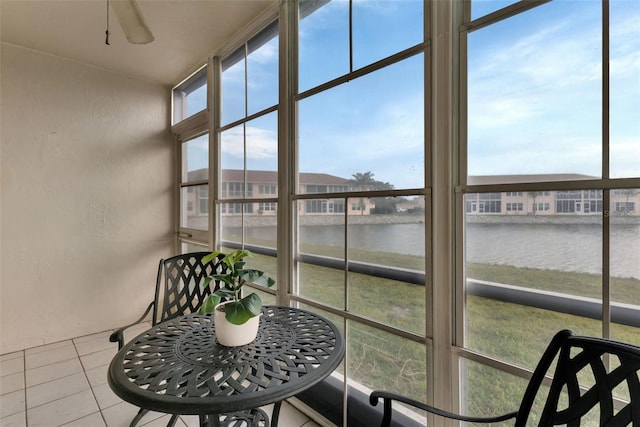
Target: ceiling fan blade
131 20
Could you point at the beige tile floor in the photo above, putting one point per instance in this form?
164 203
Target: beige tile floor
65 384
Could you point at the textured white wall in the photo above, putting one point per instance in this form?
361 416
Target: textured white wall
86 197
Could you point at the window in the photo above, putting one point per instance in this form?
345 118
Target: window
538 107
524 127
266 189
203 200
190 97
248 138
361 135
523 197
624 44
266 207
487 202
625 207
194 188
542 207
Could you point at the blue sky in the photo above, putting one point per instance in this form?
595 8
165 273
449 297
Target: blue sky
534 93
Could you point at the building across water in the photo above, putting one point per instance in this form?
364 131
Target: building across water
263 185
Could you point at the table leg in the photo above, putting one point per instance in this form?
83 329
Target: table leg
275 414
172 421
209 421
138 417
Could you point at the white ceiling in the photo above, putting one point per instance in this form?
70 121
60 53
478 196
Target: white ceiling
185 31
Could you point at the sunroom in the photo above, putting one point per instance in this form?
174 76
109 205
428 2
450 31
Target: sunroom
449 182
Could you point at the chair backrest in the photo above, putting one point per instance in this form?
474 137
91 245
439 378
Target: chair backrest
178 286
583 391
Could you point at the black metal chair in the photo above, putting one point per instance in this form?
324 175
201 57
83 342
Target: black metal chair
178 292
580 383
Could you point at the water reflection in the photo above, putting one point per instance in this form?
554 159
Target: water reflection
567 247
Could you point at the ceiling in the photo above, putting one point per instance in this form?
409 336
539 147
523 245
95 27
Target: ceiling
185 31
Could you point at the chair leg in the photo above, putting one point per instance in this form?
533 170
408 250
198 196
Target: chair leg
138 416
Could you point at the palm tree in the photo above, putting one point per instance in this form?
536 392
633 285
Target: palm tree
362 182
534 195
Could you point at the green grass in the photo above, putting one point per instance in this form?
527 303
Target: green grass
509 332
625 290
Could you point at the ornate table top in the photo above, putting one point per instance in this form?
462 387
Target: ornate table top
179 367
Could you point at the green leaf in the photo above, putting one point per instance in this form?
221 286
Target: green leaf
226 278
238 312
240 254
206 281
257 277
235 313
211 256
252 303
209 304
225 293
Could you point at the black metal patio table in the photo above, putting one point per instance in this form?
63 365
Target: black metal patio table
178 367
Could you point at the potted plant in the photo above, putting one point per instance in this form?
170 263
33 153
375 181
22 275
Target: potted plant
236 318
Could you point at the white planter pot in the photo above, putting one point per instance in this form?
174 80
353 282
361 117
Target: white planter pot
231 335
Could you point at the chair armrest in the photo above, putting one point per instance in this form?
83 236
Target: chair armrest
388 397
118 334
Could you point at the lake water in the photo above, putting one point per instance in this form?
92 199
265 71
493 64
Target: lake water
568 247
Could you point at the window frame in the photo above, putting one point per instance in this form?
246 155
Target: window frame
580 188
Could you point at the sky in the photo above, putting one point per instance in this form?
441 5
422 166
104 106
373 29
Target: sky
534 94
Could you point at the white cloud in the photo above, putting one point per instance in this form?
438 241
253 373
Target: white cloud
261 143
625 157
268 52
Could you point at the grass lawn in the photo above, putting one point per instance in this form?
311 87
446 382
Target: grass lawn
514 333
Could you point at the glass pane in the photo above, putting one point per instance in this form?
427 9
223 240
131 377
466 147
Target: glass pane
383 361
262 70
233 87
194 207
625 88
534 95
232 164
481 8
388 301
321 235
195 159
625 265
541 269
321 284
488 392
388 231
187 247
190 97
323 27
262 144
372 125
384 27
386 261
231 220
266 263
321 183
260 228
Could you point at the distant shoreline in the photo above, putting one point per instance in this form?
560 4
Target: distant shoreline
320 220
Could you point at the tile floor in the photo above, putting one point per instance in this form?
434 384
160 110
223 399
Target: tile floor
65 384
